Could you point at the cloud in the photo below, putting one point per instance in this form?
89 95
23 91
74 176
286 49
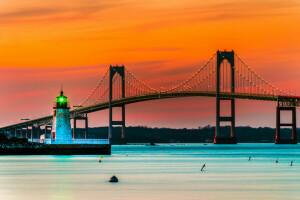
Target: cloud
28 13
56 11
155 49
202 12
61 69
239 9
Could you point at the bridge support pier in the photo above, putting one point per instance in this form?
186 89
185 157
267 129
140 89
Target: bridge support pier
81 117
117 123
38 132
278 139
21 132
48 127
31 133
219 139
112 72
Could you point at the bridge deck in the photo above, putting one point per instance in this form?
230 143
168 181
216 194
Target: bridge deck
128 100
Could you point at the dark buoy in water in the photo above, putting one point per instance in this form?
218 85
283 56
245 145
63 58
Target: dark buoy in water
276 160
202 167
291 163
99 160
113 179
250 158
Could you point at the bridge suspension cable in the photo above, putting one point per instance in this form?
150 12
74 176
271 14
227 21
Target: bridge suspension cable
199 77
135 85
256 84
100 84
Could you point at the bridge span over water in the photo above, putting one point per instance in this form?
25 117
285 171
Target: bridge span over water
225 77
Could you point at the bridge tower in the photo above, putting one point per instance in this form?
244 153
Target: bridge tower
286 104
113 70
221 56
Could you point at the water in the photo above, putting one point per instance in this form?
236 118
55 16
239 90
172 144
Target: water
157 172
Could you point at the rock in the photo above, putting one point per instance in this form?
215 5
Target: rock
113 179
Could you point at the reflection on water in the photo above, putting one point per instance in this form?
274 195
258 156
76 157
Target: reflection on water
157 172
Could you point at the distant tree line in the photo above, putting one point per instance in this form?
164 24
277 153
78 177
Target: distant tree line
141 134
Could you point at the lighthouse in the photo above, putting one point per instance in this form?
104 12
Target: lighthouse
61 127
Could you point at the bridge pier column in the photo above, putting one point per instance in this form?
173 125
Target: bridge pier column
74 127
219 139
110 123
48 127
19 132
31 133
15 132
123 125
26 132
86 127
21 135
38 132
278 138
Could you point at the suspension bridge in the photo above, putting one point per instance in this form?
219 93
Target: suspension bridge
225 76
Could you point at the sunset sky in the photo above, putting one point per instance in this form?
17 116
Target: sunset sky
46 44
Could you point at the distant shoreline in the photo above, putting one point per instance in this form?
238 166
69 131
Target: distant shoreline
139 134
147 135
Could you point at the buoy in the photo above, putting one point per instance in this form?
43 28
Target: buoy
202 167
277 160
101 156
100 160
113 179
291 163
250 158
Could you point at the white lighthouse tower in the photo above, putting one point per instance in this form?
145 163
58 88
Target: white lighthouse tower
61 127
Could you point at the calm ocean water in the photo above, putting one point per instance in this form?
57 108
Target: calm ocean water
157 172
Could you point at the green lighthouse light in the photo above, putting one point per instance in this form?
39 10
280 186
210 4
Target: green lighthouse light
61 101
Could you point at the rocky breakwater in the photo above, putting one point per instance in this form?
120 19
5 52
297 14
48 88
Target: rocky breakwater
20 146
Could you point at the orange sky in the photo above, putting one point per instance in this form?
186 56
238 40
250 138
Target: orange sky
48 43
